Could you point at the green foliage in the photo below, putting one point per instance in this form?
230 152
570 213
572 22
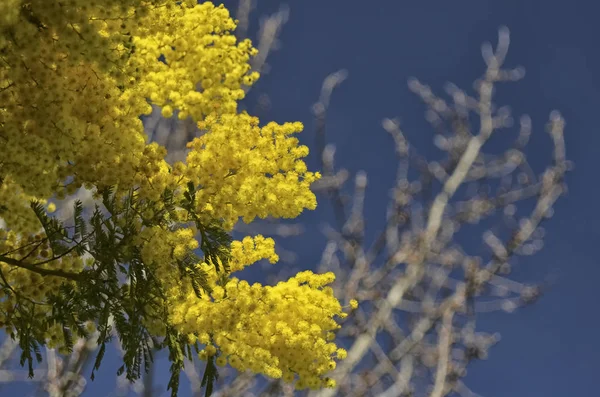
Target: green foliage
211 375
56 233
215 241
116 290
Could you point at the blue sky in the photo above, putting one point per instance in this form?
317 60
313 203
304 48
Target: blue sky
549 349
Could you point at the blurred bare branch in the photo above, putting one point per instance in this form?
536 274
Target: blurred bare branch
427 294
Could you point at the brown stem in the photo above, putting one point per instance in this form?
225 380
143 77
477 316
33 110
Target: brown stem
41 271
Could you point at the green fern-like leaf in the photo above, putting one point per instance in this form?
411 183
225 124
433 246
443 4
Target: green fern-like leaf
54 229
80 226
211 375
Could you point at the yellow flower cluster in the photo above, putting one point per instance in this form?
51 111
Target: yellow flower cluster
16 211
251 250
284 331
250 171
75 77
213 60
